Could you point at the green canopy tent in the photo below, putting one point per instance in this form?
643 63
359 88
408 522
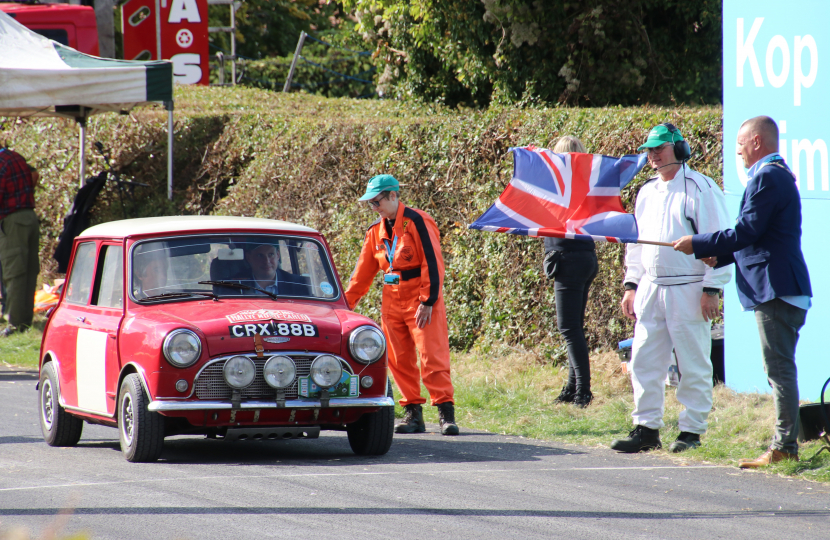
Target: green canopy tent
40 77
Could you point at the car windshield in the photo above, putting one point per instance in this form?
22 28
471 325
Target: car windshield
231 266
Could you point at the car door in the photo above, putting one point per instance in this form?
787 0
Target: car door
71 316
89 323
99 341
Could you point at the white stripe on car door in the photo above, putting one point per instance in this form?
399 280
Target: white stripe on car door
90 370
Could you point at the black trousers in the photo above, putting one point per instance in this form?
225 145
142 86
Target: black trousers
575 273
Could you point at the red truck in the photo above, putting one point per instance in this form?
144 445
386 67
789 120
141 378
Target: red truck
69 25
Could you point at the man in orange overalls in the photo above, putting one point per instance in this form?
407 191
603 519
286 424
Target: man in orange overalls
404 244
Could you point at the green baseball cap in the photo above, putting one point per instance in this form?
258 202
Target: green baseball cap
379 184
664 133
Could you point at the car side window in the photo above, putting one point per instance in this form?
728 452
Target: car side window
83 270
110 281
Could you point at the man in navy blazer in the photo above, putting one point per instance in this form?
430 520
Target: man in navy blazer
772 277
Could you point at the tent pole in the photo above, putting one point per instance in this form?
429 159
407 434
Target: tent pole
82 144
169 106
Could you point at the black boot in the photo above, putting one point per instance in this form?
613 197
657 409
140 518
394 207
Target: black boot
582 399
446 418
641 439
566 395
413 420
685 441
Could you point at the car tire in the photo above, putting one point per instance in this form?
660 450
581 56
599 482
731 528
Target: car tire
58 426
372 434
140 431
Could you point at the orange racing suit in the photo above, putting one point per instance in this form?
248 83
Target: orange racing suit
417 259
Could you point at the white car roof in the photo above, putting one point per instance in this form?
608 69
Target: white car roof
184 224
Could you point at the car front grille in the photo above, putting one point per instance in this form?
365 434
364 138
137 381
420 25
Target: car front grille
210 383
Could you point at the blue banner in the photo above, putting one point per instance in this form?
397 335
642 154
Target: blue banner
773 56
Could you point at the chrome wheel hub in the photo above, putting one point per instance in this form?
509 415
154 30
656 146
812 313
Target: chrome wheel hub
46 404
127 419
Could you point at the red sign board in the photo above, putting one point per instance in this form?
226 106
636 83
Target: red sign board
175 30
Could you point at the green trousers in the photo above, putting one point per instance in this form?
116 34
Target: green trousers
19 246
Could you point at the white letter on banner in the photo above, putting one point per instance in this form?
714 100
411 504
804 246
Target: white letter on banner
799 79
810 152
186 10
187 68
746 50
778 42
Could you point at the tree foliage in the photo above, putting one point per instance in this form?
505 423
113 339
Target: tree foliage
589 52
271 27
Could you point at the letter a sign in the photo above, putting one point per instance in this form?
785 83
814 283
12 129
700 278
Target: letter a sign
175 30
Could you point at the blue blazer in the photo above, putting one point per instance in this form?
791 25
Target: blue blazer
765 244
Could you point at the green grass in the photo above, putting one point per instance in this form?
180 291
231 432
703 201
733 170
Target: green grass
511 392
23 349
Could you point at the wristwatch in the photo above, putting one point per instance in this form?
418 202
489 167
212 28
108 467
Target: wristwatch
711 292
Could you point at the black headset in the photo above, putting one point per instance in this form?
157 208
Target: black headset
682 152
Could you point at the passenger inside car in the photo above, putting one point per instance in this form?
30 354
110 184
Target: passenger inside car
149 274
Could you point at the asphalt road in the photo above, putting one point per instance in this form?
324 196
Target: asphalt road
478 485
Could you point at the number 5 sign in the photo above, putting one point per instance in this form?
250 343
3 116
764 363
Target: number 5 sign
175 30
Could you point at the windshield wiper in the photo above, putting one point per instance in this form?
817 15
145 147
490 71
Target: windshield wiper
234 285
179 295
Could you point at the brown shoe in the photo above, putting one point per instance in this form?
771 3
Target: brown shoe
767 458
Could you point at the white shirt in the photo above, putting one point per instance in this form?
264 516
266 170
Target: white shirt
662 213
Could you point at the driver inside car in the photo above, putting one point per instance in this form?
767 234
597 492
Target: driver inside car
266 274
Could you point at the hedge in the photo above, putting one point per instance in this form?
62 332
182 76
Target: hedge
330 76
306 159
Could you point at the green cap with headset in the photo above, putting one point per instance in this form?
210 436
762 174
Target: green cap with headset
379 184
664 133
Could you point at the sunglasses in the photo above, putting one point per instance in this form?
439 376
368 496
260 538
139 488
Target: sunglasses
374 203
658 149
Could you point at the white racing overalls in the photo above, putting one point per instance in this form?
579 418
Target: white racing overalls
667 302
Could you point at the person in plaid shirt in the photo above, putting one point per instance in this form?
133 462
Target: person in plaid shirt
19 239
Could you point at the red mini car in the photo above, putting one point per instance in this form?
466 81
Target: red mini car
219 326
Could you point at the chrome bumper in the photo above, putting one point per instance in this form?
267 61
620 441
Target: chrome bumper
165 406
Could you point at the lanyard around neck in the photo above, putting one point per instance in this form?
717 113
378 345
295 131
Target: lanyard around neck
762 163
390 250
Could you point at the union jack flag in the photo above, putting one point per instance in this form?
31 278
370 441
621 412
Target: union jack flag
566 196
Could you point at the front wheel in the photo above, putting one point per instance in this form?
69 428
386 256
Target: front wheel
58 426
141 432
372 434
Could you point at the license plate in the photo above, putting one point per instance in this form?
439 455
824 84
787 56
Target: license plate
347 387
282 329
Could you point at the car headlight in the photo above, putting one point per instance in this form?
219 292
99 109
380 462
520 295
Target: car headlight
239 372
279 371
367 344
182 347
326 371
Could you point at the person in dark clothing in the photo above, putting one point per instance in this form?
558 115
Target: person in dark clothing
572 264
19 239
770 272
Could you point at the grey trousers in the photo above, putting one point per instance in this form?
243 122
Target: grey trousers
19 246
778 325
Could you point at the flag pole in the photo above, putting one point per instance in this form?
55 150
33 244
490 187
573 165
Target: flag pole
561 234
653 243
